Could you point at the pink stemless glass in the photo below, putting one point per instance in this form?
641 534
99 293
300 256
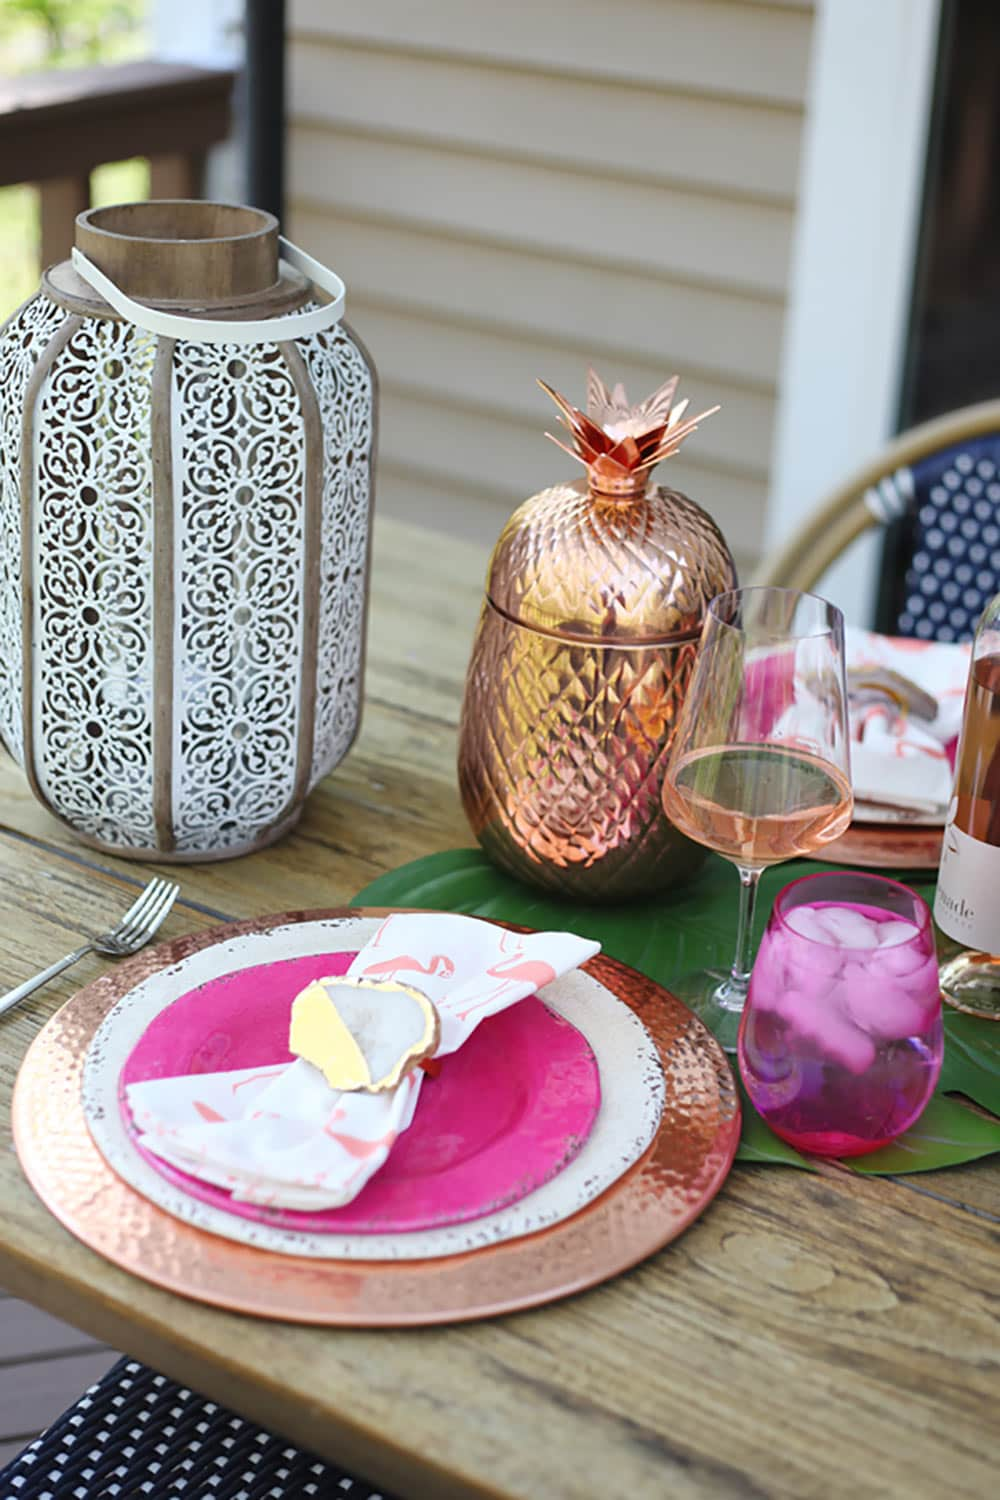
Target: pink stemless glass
840 1043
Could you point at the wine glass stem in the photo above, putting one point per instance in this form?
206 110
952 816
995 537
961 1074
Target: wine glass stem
735 988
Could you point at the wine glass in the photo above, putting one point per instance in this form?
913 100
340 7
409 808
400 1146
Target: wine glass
759 769
841 1040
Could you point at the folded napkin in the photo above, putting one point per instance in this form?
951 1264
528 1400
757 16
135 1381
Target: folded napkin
898 758
281 1136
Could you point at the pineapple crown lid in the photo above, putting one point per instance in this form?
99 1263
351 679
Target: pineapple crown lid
620 444
612 559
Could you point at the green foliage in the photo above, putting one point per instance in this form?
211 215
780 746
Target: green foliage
20 241
20 237
972 1059
758 1143
37 34
69 33
693 928
946 1134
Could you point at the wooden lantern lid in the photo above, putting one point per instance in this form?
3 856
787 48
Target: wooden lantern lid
181 249
182 255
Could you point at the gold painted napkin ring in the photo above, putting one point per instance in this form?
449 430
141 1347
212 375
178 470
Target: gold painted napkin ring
351 1042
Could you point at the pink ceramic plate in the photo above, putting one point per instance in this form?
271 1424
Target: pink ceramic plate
504 1115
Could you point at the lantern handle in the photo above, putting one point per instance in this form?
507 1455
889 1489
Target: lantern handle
209 331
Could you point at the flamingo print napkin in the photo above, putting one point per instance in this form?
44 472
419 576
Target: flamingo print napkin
280 1136
899 759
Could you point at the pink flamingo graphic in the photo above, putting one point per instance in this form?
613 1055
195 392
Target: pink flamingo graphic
208 1113
514 970
440 965
359 1148
255 1077
533 971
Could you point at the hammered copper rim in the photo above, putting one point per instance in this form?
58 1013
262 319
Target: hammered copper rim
649 1206
886 846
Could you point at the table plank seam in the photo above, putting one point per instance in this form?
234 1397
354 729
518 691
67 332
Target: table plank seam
926 1192
330 845
51 1356
411 713
123 877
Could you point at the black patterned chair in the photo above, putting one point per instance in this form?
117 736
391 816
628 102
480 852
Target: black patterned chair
135 1435
935 492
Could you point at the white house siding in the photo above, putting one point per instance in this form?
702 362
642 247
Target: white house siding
515 191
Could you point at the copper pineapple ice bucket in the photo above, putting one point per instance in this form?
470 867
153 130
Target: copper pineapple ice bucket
595 596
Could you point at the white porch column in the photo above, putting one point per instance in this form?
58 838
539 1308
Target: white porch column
209 33
861 181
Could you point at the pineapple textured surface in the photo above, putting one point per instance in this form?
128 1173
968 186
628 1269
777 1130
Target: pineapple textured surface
594 601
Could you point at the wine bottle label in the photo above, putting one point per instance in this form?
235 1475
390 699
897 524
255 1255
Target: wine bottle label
967 904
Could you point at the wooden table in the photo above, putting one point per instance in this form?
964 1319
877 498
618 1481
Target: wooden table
810 1336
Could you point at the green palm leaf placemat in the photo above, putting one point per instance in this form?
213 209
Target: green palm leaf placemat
695 927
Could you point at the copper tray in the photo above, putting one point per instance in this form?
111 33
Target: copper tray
648 1207
886 846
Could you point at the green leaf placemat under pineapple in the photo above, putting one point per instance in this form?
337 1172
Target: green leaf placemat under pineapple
695 927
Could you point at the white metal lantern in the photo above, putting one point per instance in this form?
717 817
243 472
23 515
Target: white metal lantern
186 452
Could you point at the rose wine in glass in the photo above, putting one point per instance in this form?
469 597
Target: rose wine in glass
759 768
841 1041
758 805
967 907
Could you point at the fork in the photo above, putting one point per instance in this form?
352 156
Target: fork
133 932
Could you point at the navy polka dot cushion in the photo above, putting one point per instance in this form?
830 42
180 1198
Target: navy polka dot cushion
954 564
138 1436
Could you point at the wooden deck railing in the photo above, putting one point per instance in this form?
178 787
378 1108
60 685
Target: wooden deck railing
55 128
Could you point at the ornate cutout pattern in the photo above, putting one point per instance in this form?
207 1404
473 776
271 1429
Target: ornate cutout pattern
92 566
344 388
22 340
239 475
239 493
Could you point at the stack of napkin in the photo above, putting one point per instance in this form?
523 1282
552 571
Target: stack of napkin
281 1136
905 705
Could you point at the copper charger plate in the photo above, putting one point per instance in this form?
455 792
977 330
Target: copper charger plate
886 846
650 1205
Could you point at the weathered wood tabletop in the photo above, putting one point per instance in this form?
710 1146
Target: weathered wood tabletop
810 1336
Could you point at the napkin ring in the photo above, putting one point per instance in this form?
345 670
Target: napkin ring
364 1035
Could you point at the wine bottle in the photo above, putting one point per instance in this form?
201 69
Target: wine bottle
967 906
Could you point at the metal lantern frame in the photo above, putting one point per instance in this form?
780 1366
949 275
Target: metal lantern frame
184 552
